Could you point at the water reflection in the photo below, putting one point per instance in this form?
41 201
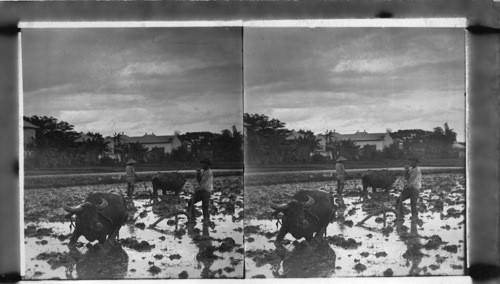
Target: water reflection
100 263
203 241
307 262
413 255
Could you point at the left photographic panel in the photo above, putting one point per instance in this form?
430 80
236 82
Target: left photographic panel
133 155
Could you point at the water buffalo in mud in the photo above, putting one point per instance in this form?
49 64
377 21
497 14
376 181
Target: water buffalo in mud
100 217
378 179
168 181
308 212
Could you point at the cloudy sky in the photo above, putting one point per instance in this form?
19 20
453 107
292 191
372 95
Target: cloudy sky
351 79
135 80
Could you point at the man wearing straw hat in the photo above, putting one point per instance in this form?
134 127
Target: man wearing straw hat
340 174
131 176
202 193
411 190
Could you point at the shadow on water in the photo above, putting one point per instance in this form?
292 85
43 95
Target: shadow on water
413 254
308 262
102 263
205 255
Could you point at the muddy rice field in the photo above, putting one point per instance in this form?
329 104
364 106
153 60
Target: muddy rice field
172 249
434 245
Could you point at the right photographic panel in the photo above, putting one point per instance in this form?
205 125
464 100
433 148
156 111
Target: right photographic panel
354 152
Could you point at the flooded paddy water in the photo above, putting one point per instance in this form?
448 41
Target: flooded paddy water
379 247
169 250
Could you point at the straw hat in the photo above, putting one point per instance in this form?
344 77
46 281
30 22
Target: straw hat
341 159
131 161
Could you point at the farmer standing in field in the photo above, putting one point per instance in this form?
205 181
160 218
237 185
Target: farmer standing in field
411 190
202 193
340 174
131 177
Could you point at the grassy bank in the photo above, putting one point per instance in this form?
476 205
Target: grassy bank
296 177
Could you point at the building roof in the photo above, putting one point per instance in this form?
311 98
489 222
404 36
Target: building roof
27 124
458 145
335 135
149 139
364 136
294 135
82 138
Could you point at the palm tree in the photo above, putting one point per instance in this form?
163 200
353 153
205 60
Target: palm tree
328 140
93 146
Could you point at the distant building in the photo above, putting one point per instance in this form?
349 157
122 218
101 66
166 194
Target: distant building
150 141
399 142
294 135
362 139
460 148
29 132
323 141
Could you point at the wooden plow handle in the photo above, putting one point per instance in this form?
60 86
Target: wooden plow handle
377 212
168 215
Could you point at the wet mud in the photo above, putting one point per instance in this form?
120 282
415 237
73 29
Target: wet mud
173 248
381 246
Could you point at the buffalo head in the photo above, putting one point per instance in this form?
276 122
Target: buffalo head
294 214
87 218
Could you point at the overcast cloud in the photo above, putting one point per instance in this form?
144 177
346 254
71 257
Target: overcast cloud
351 79
135 80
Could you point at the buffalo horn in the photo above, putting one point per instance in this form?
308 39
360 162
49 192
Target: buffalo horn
309 201
283 206
102 205
73 209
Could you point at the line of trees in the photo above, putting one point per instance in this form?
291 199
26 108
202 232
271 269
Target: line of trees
266 143
226 146
56 144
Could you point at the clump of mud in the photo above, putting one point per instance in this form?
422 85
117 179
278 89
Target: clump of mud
135 245
175 256
227 245
154 270
338 240
348 223
262 257
434 266
57 259
434 242
32 231
183 275
360 267
251 229
440 259
140 225
451 248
